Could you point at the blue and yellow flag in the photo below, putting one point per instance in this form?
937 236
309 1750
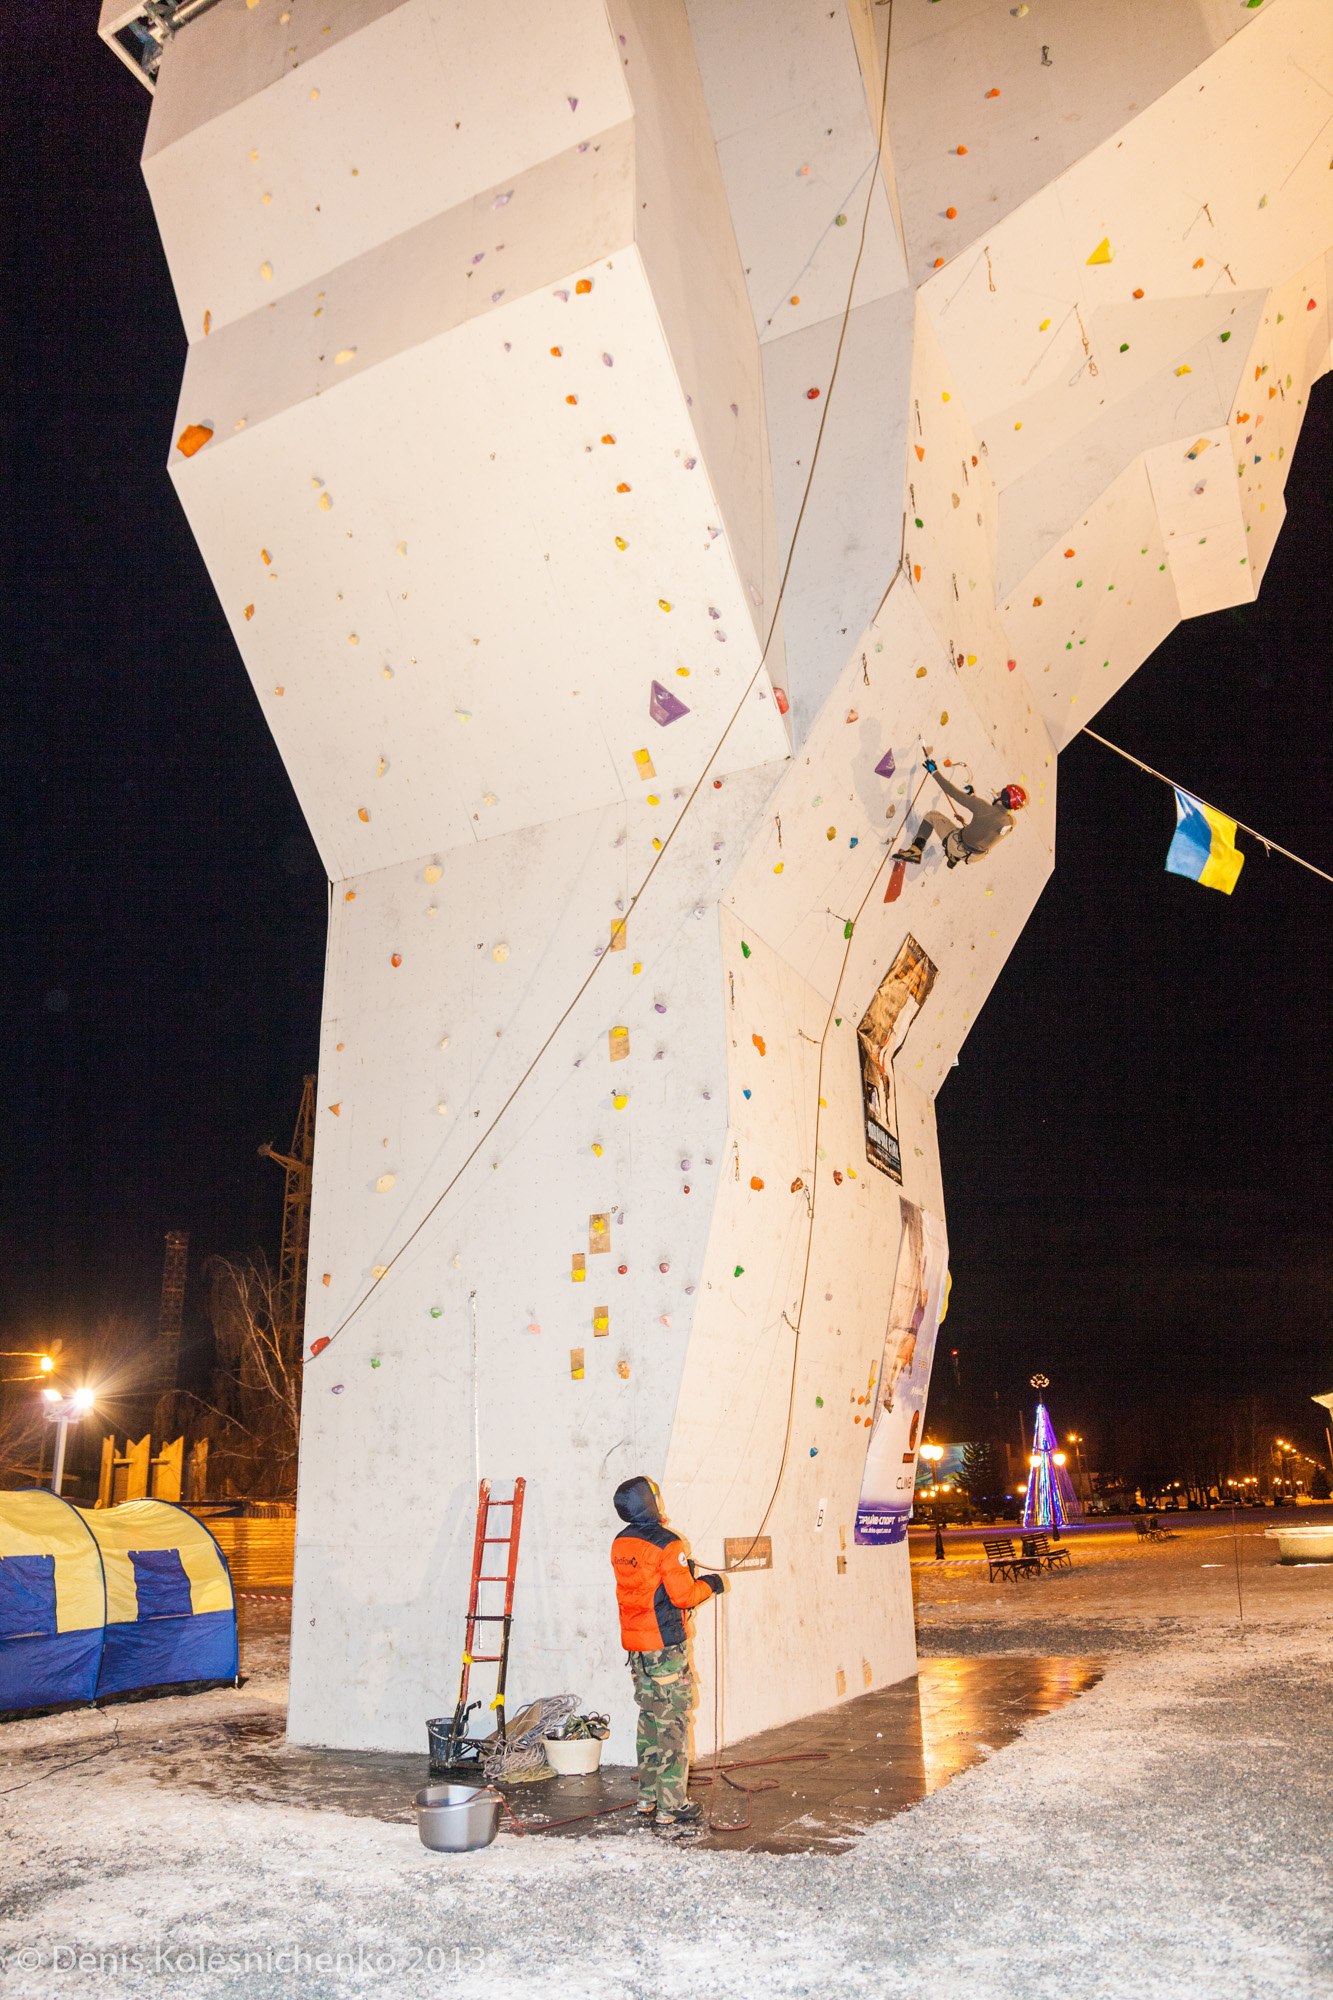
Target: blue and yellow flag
1203 846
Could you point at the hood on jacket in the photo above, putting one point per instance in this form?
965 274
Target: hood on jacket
636 1501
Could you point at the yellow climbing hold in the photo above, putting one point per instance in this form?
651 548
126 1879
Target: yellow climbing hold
1103 254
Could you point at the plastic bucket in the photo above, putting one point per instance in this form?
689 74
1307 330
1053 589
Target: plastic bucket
573 1757
455 1819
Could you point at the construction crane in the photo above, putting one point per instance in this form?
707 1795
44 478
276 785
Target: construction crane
289 1318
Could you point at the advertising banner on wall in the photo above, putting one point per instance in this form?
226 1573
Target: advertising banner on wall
883 1030
904 1377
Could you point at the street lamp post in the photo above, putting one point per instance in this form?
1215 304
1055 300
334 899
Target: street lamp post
933 1453
62 1411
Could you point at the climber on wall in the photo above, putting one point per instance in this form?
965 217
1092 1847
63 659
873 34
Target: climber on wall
987 823
656 1586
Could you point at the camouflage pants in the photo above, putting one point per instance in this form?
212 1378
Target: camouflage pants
664 1690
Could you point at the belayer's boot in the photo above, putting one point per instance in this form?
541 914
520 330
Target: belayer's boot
683 1824
643 1815
912 853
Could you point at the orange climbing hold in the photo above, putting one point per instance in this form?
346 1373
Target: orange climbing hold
557 352
249 613
337 1110
571 399
583 285
938 264
622 487
1068 553
951 214
992 93
1036 600
961 151
193 438
363 815
607 438
1138 292
920 450
760 1044
756 1183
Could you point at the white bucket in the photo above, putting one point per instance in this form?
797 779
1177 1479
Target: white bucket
573 1757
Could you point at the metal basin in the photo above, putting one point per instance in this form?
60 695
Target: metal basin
455 1819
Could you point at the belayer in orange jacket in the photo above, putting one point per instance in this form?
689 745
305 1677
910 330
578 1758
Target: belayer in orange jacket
656 1587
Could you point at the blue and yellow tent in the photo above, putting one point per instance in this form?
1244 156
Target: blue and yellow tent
170 1608
108 1601
52 1603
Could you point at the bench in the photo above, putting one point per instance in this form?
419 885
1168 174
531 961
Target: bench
1151 1530
1037 1548
1004 1560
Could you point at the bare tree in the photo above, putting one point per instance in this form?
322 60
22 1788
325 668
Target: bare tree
22 1434
252 1419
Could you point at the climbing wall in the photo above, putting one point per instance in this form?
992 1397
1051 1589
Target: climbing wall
626 439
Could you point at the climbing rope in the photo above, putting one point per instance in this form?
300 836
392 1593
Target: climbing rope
385 1268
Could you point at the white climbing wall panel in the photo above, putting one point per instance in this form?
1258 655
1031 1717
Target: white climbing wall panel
522 342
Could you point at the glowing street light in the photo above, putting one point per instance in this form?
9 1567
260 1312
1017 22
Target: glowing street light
933 1453
62 1411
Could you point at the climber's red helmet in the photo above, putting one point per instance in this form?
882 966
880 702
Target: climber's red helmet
1013 798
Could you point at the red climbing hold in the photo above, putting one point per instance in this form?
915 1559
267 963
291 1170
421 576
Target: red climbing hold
895 883
318 1346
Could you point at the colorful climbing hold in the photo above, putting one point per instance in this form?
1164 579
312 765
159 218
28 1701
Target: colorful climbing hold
193 438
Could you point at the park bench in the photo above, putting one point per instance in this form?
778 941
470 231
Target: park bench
1038 1548
1005 1560
1151 1530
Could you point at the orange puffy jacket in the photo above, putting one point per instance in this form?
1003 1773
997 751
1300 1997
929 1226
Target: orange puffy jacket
654 1584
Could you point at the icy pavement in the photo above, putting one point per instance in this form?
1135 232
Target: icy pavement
1165 1834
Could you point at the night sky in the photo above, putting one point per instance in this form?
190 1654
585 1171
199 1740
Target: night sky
1136 1142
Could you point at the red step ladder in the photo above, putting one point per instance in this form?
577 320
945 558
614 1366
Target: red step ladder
462 1749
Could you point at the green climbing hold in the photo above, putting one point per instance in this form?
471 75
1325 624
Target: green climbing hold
739 1271
374 1361
918 521
1226 335
745 951
436 1312
840 221
847 928
819 1402
837 1018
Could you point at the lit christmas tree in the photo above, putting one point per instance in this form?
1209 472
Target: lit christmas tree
1050 1501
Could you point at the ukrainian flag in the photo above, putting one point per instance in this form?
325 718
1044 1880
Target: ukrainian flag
1204 845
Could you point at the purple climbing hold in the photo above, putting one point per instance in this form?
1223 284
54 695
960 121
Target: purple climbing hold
886 766
663 706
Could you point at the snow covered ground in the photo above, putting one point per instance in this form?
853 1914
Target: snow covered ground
1167 1834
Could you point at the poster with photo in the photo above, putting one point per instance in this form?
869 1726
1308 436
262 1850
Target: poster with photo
884 1028
887 1484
